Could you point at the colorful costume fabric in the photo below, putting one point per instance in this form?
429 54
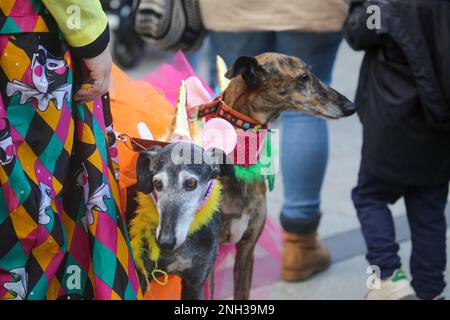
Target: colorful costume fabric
61 231
17 16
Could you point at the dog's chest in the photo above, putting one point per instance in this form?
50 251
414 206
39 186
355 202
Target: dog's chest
175 262
240 207
179 264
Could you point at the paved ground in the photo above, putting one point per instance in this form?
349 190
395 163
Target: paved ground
346 279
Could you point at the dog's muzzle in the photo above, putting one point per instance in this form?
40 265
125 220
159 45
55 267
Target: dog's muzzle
348 108
167 241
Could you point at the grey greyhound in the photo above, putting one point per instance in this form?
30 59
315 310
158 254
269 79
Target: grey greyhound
180 176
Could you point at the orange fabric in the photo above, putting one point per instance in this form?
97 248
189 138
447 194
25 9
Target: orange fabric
134 101
171 291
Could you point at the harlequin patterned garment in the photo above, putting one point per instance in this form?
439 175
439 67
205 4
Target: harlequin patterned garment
18 16
61 232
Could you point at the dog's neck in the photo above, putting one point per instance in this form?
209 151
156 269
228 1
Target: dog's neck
244 100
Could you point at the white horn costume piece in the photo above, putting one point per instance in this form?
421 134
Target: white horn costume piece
222 68
180 125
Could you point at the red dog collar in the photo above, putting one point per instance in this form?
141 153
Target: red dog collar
219 109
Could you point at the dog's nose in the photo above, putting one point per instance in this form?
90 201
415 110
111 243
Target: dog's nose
348 108
166 242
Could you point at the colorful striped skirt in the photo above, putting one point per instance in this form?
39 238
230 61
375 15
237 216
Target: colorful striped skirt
61 232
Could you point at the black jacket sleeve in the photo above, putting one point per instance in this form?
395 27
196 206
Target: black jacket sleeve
356 32
93 49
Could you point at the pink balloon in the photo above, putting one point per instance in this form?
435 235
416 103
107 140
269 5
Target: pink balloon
219 133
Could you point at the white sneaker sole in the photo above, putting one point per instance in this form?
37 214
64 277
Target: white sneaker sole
400 293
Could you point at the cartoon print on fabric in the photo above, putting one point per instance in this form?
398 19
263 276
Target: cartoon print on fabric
7 150
49 76
18 287
113 151
45 203
97 199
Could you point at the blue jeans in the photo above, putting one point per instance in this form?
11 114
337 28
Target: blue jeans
425 208
304 139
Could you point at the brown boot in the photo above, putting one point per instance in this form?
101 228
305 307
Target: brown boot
303 256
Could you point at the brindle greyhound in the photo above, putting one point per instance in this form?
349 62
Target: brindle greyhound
262 88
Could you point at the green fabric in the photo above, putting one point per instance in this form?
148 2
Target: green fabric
10 26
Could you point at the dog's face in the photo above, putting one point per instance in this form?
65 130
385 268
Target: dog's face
179 176
278 82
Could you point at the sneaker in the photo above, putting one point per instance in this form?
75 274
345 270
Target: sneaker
397 287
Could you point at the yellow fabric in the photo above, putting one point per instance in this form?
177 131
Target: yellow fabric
144 224
93 20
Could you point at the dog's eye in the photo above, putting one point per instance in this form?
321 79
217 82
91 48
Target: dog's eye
190 184
158 184
303 78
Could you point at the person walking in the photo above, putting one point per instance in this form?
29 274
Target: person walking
310 30
404 107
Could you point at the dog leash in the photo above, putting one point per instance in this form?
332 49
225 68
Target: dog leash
124 138
137 144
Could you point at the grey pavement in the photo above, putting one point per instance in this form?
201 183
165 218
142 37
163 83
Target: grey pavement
339 228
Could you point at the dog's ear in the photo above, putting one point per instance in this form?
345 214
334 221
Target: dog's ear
250 70
143 173
221 164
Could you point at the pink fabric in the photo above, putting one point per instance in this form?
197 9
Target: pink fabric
266 269
169 76
198 93
26 24
22 8
64 123
102 290
79 247
107 231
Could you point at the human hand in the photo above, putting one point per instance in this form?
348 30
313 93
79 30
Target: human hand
95 77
